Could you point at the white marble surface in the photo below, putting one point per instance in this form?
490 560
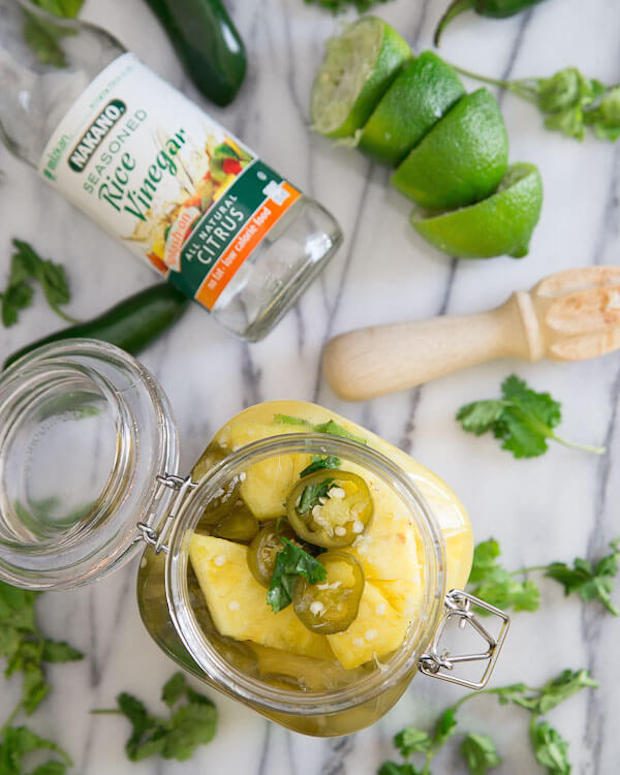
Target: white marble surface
551 508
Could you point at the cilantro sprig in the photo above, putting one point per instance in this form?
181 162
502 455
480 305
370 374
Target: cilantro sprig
523 419
320 462
292 563
27 652
478 751
16 743
331 427
313 494
570 102
491 582
592 580
191 722
27 270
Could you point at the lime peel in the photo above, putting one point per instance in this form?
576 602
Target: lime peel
502 224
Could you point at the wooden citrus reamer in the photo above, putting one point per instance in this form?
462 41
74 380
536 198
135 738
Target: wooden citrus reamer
568 316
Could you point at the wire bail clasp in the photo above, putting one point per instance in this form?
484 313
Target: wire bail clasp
438 663
149 531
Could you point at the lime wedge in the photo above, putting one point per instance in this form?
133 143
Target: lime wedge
500 225
461 160
422 93
358 68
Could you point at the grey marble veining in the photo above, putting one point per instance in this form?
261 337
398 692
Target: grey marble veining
556 507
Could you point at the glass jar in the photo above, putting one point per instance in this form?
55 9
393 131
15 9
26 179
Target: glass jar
66 519
180 191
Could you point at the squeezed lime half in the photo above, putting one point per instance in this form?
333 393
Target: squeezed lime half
357 70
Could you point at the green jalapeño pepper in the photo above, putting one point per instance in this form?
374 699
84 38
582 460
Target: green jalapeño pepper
330 508
207 43
495 9
332 605
239 525
131 324
264 549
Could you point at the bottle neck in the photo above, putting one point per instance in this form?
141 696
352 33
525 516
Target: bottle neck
40 81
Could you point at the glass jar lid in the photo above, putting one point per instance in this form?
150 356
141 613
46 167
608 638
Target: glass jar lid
85 431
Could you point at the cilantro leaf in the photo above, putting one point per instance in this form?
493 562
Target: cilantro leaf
479 753
491 582
27 651
287 419
52 767
591 581
392 768
559 689
569 101
291 563
15 745
173 689
480 416
331 427
28 268
523 419
445 727
550 748
189 725
541 700
411 740
319 462
60 651
605 117
312 495
338 6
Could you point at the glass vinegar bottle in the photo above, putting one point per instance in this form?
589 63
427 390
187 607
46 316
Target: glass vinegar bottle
157 172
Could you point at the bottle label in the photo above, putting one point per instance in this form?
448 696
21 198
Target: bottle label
154 170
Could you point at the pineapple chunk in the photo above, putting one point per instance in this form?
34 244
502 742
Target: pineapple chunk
387 550
377 631
268 484
237 602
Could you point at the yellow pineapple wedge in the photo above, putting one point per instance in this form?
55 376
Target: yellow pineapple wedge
238 603
377 631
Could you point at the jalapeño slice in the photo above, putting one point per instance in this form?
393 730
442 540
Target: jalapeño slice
264 549
332 605
330 508
239 525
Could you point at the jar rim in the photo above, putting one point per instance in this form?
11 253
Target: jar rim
230 678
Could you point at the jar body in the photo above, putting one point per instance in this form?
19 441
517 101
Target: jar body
157 620
258 423
150 167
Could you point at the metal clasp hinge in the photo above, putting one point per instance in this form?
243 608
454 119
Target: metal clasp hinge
149 531
438 663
